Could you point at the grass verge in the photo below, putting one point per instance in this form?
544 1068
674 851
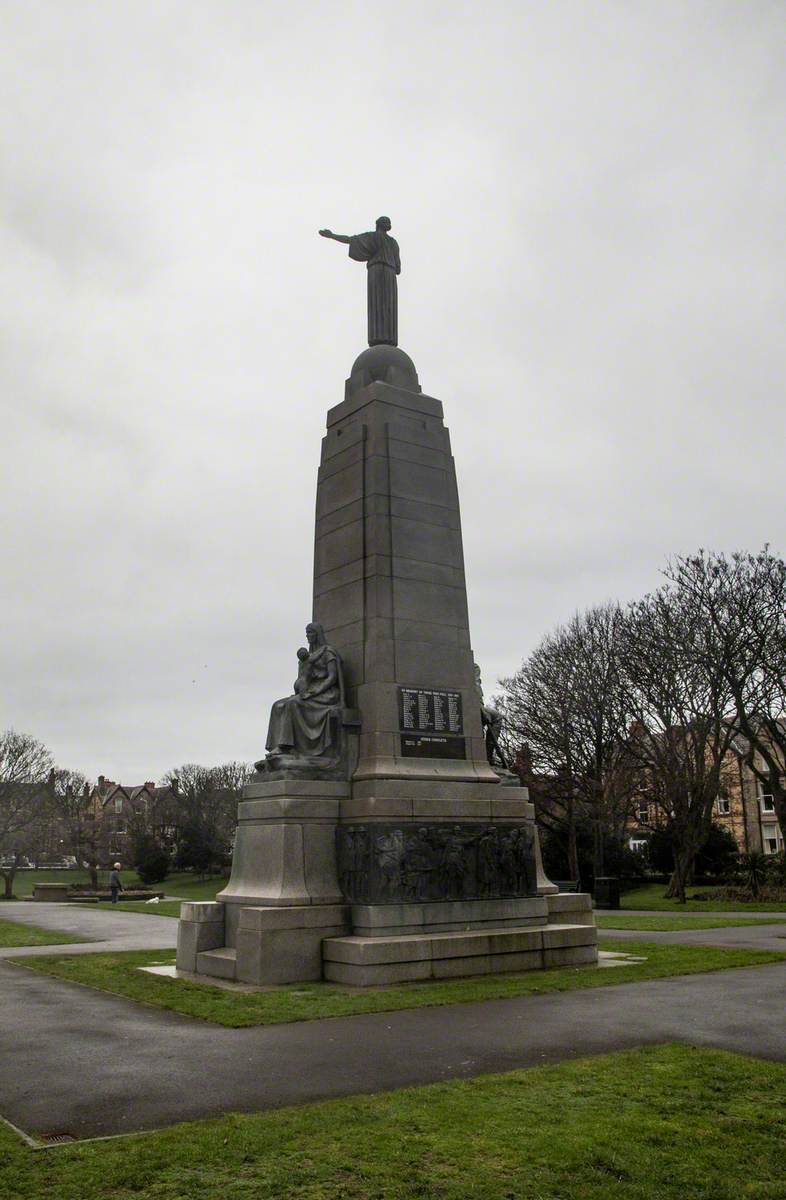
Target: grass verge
186 886
183 884
119 973
164 908
667 1122
15 933
667 924
651 896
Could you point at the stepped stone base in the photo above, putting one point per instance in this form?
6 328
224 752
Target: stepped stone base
284 945
574 908
390 943
272 945
369 961
220 963
438 916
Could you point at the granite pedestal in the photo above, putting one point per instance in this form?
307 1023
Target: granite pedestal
423 862
282 898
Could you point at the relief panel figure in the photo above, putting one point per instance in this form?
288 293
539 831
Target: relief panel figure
390 856
507 863
454 868
488 863
419 865
524 858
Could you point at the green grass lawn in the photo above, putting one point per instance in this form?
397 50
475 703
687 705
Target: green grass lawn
652 896
663 1123
24 881
179 883
14 933
667 924
119 973
164 908
186 886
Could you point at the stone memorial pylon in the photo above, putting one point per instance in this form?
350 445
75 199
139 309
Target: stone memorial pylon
396 851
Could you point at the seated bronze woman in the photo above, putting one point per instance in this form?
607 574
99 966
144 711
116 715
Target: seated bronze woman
300 724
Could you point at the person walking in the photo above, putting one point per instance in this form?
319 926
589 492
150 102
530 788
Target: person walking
115 882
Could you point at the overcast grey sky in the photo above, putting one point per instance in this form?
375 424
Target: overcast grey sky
589 200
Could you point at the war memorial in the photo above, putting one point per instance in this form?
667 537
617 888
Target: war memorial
382 837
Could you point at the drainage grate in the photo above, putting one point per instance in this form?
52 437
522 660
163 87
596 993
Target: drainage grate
52 1139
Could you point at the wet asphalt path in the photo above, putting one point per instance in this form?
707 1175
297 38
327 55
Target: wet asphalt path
106 929
141 1068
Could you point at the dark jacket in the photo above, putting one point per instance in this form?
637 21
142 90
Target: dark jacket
114 880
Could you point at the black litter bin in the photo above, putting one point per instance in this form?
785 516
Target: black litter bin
607 891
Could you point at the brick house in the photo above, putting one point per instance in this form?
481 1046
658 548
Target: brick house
119 807
747 810
742 806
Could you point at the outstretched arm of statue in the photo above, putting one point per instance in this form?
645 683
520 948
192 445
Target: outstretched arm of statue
337 237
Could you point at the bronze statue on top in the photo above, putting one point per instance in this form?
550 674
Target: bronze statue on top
380 252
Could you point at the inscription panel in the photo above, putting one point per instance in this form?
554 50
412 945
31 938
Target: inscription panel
422 710
432 745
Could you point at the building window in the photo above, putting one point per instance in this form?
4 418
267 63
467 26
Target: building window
770 845
119 804
644 814
767 804
723 806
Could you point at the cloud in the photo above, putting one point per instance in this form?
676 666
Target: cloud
589 205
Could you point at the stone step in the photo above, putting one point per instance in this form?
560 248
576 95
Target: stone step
573 908
221 962
364 961
432 916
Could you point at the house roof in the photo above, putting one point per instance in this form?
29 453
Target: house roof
132 792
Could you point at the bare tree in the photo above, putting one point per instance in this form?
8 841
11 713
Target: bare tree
208 799
680 701
537 705
742 599
25 775
566 707
71 805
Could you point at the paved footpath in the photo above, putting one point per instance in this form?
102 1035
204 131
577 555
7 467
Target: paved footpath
140 1067
739 914
106 929
737 937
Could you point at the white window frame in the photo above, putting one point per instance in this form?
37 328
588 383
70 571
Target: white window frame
767 808
723 806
